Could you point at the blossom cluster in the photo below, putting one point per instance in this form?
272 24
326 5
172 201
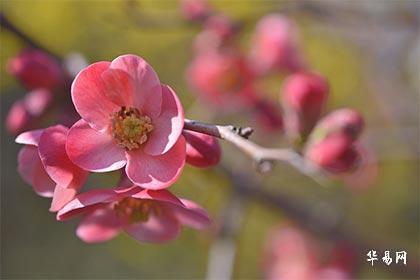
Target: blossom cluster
222 73
128 121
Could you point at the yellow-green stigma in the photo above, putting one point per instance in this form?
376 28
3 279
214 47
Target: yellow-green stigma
136 210
129 128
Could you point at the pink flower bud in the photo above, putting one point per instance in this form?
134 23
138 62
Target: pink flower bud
304 96
36 69
28 110
335 153
195 10
275 45
202 150
345 120
221 25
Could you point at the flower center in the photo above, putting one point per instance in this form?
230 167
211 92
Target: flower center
129 128
231 79
136 210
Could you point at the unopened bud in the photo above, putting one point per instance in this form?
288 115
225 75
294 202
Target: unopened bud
304 96
202 150
335 154
36 69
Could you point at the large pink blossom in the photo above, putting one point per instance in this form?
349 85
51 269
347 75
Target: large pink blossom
128 119
43 163
146 215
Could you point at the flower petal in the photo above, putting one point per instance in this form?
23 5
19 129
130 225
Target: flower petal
159 195
29 137
92 150
52 151
89 96
158 228
120 87
61 197
32 171
191 215
100 225
148 97
84 201
156 172
168 126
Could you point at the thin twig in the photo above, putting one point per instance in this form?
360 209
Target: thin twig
263 157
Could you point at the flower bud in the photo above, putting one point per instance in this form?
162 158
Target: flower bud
304 96
275 45
195 10
202 150
36 69
347 121
28 110
335 153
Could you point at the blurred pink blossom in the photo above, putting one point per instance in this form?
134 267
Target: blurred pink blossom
27 111
275 45
304 96
36 69
146 215
224 79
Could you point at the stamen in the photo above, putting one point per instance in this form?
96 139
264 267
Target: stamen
136 210
129 128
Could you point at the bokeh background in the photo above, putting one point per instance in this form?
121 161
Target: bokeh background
369 51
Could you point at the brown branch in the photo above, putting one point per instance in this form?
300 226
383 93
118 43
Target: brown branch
263 157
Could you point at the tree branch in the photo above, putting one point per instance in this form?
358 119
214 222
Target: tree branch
263 157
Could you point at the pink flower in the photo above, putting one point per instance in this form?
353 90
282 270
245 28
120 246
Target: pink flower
222 26
43 163
128 119
202 150
345 120
36 69
275 45
146 215
292 254
222 78
195 10
304 96
27 111
289 254
335 153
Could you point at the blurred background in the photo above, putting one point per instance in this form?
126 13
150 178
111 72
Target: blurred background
368 50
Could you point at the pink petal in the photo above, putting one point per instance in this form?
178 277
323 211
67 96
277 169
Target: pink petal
148 97
168 126
93 150
120 87
159 195
89 94
32 171
84 201
158 228
191 215
52 151
100 225
29 137
61 197
156 172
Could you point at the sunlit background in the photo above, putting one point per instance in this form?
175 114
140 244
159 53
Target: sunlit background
369 51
